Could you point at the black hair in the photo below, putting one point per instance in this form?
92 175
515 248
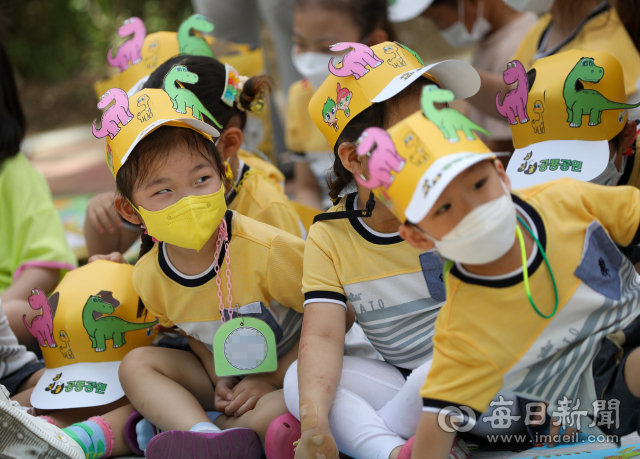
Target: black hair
12 121
451 3
374 116
149 154
211 83
367 15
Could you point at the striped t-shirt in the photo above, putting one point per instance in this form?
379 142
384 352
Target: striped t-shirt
395 291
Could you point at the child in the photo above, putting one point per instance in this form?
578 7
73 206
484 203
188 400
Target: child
540 301
228 96
361 267
33 248
173 174
317 24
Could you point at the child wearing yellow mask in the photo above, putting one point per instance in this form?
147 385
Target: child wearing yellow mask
254 186
539 300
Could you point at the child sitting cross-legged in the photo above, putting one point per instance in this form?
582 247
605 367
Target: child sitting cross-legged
540 301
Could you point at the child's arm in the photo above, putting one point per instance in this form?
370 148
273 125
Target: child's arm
20 289
307 191
431 441
104 230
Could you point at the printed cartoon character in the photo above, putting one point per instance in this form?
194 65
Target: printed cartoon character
151 57
376 143
531 169
115 115
427 185
581 101
448 120
129 52
145 114
67 353
193 43
343 99
515 101
107 327
538 125
329 114
397 58
418 155
42 325
183 98
355 61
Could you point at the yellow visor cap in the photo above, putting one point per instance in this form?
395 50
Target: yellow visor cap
368 75
562 115
414 161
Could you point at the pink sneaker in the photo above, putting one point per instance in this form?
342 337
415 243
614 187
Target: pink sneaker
226 444
281 434
459 450
405 451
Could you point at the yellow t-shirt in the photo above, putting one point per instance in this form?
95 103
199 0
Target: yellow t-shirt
604 32
266 278
271 171
258 198
488 337
301 134
395 291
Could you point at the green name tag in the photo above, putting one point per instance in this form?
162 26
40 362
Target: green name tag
244 346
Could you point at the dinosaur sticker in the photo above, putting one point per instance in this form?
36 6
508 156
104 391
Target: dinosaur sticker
538 125
376 143
108 327
115 115
151 56
397 58
183 98
194 44
581 101
343 99
65 349
448 120
329 114
130 52
42 325
418 155
355 61
515 101
145 114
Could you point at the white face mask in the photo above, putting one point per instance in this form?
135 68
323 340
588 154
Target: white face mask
477 239
537 6
610 176
457 34
313 66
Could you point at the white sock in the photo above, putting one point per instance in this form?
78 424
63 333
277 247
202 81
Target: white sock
205 427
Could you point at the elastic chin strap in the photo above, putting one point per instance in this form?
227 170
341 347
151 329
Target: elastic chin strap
371 203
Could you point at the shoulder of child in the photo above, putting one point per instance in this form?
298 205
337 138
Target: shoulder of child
258 233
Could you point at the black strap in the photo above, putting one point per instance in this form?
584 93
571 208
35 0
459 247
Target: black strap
371 203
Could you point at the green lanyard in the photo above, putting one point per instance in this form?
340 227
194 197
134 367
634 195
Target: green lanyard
525 271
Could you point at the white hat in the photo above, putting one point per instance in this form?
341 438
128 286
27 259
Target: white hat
405 10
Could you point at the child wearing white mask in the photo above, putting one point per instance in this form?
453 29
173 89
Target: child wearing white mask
318 24
492 27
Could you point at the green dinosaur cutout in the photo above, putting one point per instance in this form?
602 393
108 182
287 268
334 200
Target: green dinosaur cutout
448 120
416 55
195 45
107 327
183 98
590 102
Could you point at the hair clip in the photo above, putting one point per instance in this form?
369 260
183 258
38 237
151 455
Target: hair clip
234 82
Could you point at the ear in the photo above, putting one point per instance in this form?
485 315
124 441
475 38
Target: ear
502 173
415 238
230 142
628 134
377 37
350 158
127 211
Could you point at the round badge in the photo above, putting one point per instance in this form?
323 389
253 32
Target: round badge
245 348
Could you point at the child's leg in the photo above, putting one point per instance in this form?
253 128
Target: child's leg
269 407
632 372
65 418
170 388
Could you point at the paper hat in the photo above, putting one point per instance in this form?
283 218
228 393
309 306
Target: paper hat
94 326
562 116
405 10
414 161
141 54
174 106
370 75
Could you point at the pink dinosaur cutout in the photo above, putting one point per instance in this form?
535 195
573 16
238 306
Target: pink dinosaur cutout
355 61
515 101
131 50
117 113
383 158
41 326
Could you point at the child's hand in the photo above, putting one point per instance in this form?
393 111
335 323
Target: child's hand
315 443
247 393
113 256
224 393
102 214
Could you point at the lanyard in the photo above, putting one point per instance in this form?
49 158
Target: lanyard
525 270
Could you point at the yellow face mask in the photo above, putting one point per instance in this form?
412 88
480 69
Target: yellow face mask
189 223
